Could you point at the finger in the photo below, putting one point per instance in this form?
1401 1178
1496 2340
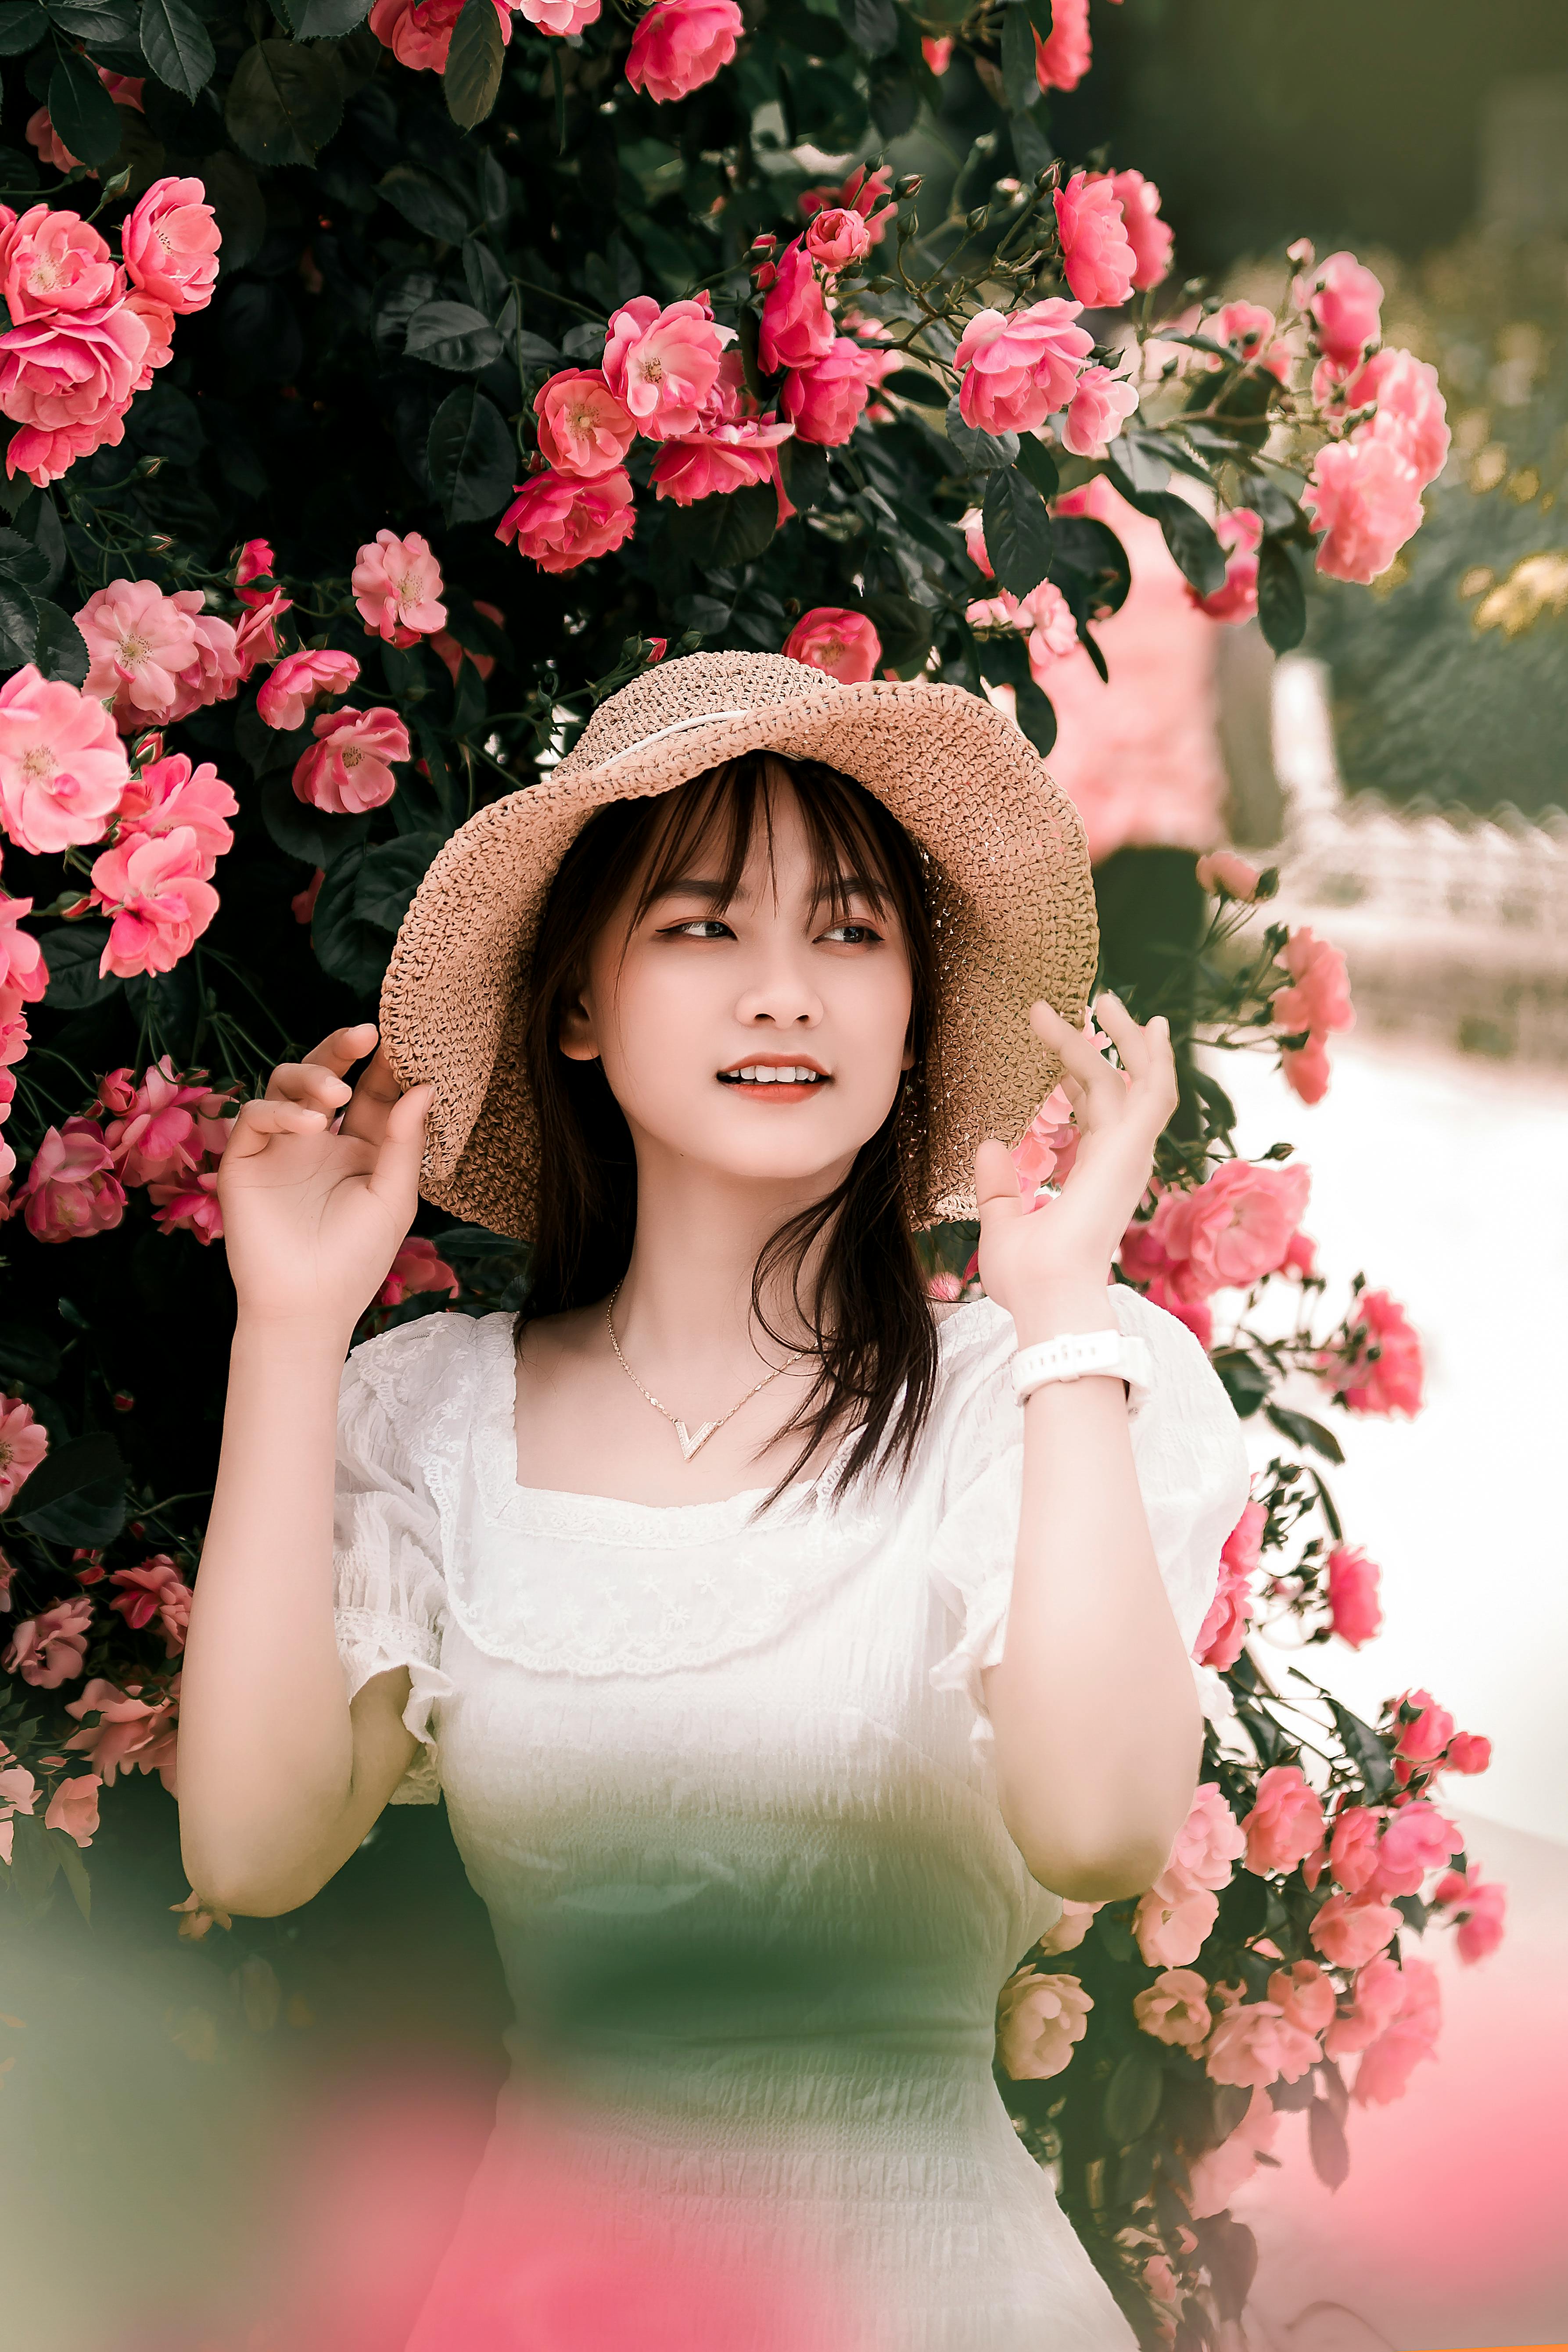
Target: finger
1145 1052
1079 1058
308 1082
374 1099
997 1192
343 1047
258 1122
396 1176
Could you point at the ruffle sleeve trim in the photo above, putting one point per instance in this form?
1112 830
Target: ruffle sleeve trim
370 1642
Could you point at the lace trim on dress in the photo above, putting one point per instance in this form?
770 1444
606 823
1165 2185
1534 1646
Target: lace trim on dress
369 1641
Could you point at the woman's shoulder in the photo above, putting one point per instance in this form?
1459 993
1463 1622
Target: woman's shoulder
404 1369
976 1343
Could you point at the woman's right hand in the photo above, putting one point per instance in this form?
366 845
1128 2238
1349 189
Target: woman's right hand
313 1220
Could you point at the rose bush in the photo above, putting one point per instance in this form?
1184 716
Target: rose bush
415 382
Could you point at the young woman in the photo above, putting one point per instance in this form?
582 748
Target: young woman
773 1658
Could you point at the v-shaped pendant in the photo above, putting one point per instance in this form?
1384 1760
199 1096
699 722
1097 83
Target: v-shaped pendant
691 1439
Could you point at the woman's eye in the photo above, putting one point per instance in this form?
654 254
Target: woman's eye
852 935
701 927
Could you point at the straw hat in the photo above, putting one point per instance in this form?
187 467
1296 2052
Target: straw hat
1008 876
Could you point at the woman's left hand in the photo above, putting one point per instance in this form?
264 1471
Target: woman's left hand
1061 1253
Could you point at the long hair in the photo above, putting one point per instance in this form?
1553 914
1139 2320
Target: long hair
866 1302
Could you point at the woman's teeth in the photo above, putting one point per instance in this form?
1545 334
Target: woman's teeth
763 1074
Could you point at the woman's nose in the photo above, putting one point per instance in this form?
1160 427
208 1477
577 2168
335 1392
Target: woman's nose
780 996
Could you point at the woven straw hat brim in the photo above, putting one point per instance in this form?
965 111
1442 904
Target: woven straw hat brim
1012 902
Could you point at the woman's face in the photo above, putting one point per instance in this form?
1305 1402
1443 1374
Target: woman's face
764 1039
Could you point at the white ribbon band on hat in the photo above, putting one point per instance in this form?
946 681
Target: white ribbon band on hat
695 719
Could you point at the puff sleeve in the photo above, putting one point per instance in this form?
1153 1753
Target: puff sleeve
1187 1449
389 1587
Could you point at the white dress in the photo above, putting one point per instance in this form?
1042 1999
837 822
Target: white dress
723 1784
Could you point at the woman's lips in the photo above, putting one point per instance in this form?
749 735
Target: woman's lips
768 1081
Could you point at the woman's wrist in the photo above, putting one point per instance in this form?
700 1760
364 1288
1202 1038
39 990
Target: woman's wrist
302 1337
1049 1309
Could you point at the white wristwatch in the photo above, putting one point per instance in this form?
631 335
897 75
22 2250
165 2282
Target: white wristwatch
1076 1355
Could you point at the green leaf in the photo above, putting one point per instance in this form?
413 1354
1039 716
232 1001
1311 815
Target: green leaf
1326 2140
176 46
306 833
471 455
60 650
100 23
1133 2096
485 278
28 1353
23 559
982 453
73 954
76 1495
452 335
1281 599
234 195
913 383
327 20
1246 1382
285 102
1090 565
425 202
871 25
1036 714
1018 536
18 625
1305 1431
1040 16
1032 150
347 947
22 27
472 76
1365 1749
895 98
727 529
1035 462
82 111
1189 536
904 628
1141 458
392 872
1020 83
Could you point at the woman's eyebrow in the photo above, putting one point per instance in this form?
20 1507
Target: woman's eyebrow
691 885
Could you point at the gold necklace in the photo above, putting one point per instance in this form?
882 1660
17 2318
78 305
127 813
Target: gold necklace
690 1441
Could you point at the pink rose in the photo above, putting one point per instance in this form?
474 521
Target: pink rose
1210 1839
1223 1631
23 1442
1062 62
797 326
1365 497
74 1807
1216 2177
1418 1839
1411 413
1424 1736
1388 2064
1349 1931
1100 406
154 889
349 768
68 380
563 18
863 192
138 642
164 1127
1377 1992
1097 260
1354 1582
1240 533
71 1190
558 522
662 364
1016 370
1479 1909
937 52
1048 1145
130 1732
168 793
1077 1918
1304 1996
1053 631
1255 2044
396 583
1468 1751
155 1590
189 1204
299 681
255 639
1233 1229
1038 2021
419 32
584 429
49 1650
837 240
843 643
1174 2009
62 767
723 457
679 45
215 674
416 1267
1319 996
1248 329
1343 302
255 562
1354 1847
52 149
1174 1919
1386 1372
55 261
1286 1823
825 401
23 971
1226 875
1148 235
171 244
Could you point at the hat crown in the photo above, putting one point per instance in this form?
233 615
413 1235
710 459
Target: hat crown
683 693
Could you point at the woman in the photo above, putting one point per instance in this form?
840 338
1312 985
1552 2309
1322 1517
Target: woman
772 1662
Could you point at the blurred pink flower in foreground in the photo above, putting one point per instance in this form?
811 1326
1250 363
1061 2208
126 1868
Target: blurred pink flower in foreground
1255 2044
1240 533
1097 259
1286 1824
1354 1581
1216 2177
49 1649
417 1266
1175 2009
1384 1370
1343 300
1039 2018
23 1442
1223 1630
1478 1906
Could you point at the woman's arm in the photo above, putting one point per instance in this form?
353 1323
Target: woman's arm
279 1778
1093 1706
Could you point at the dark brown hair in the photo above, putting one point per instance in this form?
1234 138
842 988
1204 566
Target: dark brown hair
869 1310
